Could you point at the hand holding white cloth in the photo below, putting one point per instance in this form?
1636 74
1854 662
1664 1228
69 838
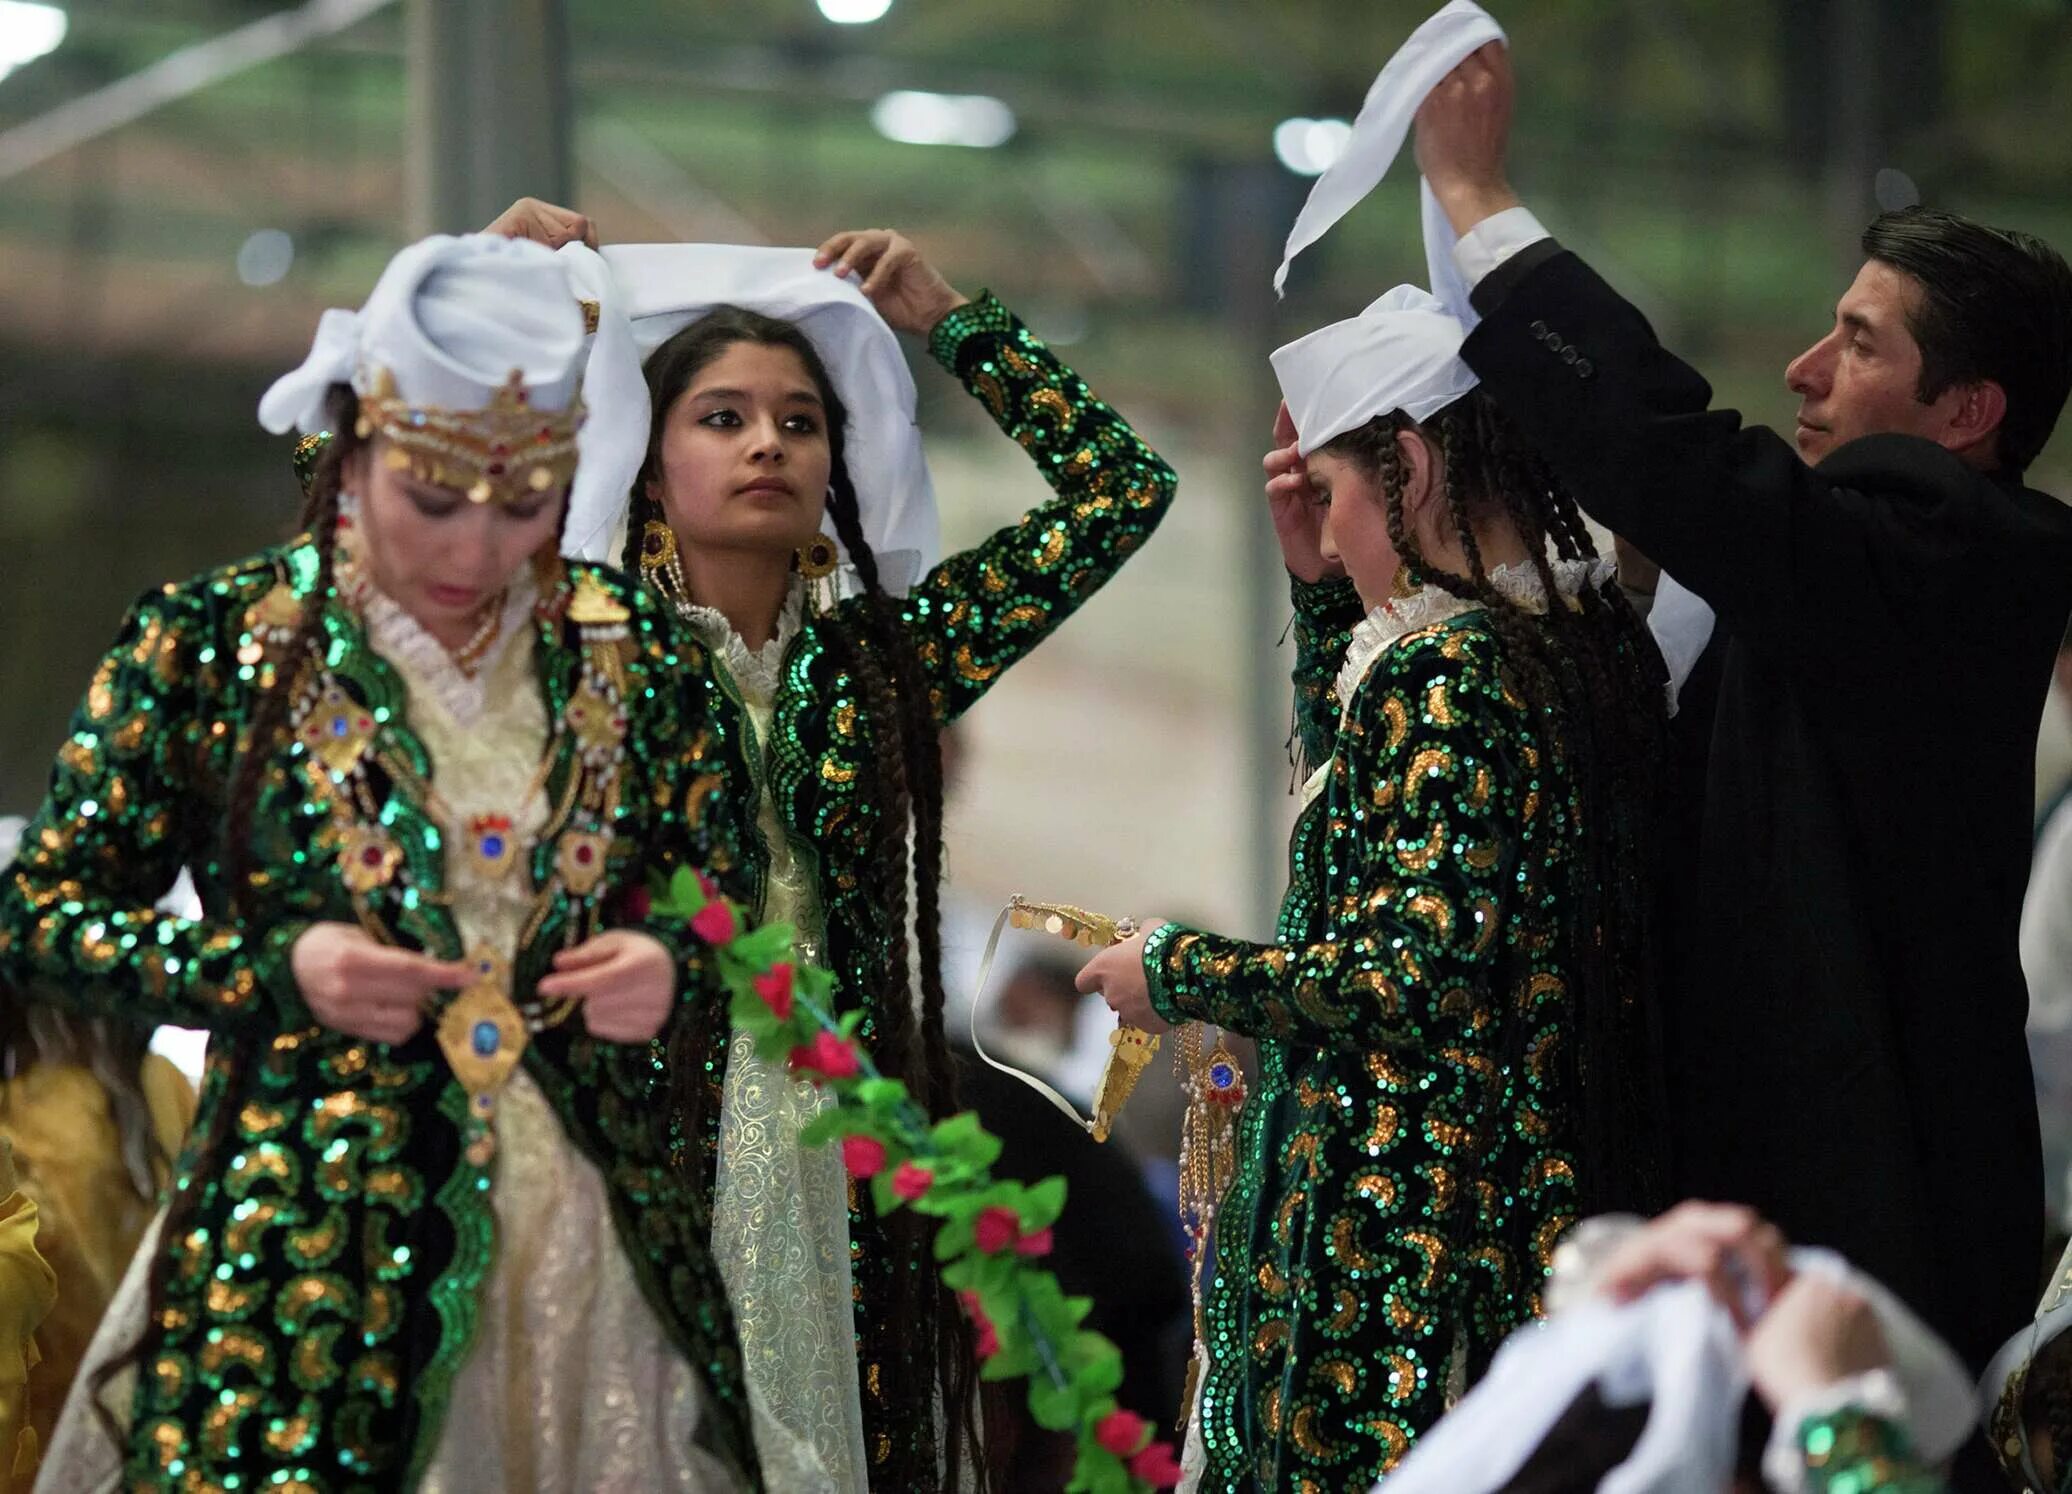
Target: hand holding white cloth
1435 49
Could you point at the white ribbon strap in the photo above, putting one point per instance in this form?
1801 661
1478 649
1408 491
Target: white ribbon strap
985 971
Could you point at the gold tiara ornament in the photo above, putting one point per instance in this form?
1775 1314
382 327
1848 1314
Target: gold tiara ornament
501 453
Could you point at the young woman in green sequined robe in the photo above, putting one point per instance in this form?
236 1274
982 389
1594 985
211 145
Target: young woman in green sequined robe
356 1288
1420 1133
846 706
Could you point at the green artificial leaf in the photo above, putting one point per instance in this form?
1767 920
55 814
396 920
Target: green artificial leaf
686 897
881 1093
962 1139
838 1121
1043 1203
1055 1407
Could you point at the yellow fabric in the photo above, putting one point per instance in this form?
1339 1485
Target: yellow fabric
28 1287
69 1154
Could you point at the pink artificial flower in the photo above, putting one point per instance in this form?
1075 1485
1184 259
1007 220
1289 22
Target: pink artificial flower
988 1340
714 923
996 1229
1155 1465
1037 1242
826 1057
864 1156
910 1182
775 989
1121 1432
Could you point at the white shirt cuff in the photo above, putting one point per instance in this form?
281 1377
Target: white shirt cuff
1494 240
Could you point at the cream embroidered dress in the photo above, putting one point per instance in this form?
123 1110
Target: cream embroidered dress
780 1222
571 1386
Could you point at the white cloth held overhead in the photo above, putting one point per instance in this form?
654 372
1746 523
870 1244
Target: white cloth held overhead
1435 49
1401 353
663 288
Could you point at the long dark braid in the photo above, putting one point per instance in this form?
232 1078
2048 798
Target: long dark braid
928 1355
256 747
1594 680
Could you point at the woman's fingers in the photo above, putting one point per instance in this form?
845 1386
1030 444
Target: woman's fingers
590 952
889 268
831 249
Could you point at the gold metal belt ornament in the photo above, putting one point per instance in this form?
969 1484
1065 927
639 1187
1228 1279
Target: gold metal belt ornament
1130 1047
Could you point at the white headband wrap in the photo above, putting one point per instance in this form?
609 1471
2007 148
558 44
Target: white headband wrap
663 288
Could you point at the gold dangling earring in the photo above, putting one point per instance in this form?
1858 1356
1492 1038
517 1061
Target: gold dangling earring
1405 582
815 561
660 569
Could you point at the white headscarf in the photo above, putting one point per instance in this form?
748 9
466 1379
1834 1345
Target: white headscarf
453 321
663 288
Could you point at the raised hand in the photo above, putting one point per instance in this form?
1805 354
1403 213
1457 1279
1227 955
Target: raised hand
908 291
1117 975
1816 1333
363 989
544 223
1732 1250
625 979
1297 517
1464 134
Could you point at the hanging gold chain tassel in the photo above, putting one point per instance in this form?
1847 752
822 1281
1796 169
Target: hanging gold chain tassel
1215 1088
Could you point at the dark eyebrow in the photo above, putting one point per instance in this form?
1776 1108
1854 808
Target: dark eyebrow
795 396
1856 321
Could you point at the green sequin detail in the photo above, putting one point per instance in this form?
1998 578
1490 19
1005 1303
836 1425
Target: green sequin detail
969 619
322 1278
1401 1181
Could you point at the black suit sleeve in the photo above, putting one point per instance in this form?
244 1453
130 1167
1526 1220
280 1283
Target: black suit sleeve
1727 509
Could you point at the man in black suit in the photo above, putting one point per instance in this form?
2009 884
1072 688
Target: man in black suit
1844 1005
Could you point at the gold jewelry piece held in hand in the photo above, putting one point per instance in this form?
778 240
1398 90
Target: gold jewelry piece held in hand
1130 1047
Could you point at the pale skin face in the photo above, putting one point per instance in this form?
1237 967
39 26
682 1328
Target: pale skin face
441 558
745 457
1862 379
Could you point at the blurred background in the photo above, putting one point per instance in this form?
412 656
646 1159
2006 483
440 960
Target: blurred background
186 184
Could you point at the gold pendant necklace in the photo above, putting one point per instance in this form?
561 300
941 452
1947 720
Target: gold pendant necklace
482 1031
483 1036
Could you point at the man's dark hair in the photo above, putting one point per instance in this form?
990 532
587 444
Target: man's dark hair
1995 304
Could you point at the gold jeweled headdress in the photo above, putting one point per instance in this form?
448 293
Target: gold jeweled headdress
504 451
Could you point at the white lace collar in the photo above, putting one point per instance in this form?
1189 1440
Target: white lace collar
1429 605
754 670
423 661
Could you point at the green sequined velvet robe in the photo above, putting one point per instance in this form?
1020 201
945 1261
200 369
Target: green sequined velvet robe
970 618
321 1266
1402 1175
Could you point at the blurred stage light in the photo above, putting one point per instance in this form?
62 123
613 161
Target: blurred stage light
265 257
27 32
916 118
854 12
1307 147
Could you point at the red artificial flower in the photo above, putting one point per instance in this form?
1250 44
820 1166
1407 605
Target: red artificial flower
988 1340
826 1057
910 1182
775 989
996 1228
1037 1242
1156 1466
864 1156
714 923
1121 1432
